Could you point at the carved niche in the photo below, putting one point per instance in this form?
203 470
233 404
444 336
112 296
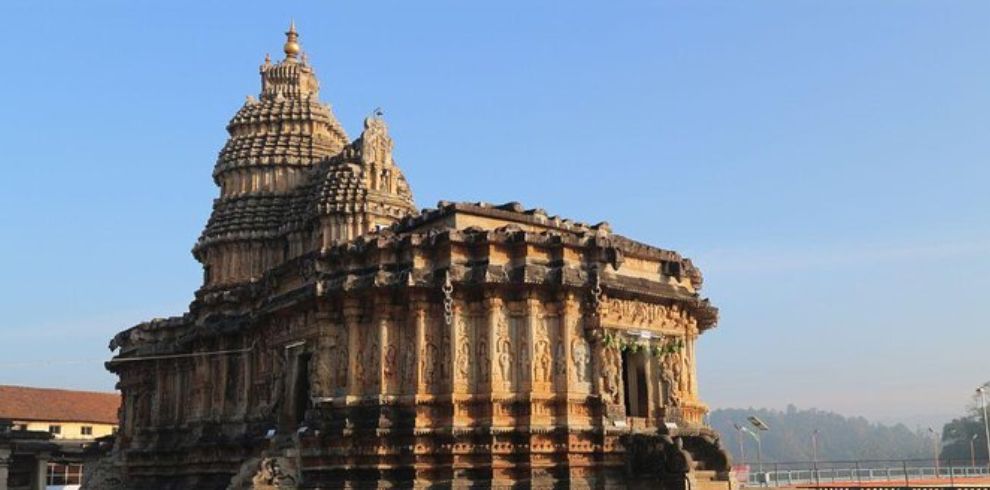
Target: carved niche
541 352
611 375
463 354
580 355
483 358
430 360
409 360
670 375
503 349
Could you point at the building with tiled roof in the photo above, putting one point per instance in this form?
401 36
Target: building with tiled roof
66 414
43 432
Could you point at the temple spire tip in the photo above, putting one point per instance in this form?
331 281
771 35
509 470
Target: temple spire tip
291 47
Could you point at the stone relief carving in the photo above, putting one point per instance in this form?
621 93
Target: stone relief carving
523 358
611 371
341 358
640 314
321 370
359 364
669 376
482 358
265 474
409 360
429 356
391 363
503 349
373 362
463 354
580 354
542 352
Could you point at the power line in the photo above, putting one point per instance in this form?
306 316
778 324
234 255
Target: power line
116 360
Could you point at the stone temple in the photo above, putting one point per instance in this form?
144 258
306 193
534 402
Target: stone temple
343 338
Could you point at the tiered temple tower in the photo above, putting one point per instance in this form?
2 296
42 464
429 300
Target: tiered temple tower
341 338
271 165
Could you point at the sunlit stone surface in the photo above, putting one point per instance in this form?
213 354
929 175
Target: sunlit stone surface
344 338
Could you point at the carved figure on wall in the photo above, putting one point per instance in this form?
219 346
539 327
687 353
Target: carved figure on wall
342 365
671 387
580 353
542 351
359 363
678 368
321 371
272 473
524 363
503 349
429 361
483 359
463 351
611 370
374 358
390 361
408 365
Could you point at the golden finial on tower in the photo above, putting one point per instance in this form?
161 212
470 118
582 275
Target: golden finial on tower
291 47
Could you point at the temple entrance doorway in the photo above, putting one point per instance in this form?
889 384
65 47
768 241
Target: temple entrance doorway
299 395
636 387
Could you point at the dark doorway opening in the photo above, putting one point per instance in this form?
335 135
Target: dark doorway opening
636 388
300 400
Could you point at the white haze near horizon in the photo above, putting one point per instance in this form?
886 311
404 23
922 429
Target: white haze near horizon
825 164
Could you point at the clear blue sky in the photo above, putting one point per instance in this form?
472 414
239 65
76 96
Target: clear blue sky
824 162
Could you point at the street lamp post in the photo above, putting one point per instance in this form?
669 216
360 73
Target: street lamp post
761 426
972 450
739 439
986 424
814 446
814 454
934 449
759 449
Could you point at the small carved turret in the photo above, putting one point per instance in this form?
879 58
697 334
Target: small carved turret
364 189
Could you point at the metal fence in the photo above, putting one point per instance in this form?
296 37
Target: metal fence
863 473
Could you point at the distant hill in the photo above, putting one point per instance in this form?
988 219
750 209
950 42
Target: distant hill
841 438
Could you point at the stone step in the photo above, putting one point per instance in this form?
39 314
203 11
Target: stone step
711 485
704 474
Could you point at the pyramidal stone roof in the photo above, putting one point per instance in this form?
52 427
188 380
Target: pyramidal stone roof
287 133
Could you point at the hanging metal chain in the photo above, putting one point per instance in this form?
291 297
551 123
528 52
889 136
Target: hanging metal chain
596 292
448 298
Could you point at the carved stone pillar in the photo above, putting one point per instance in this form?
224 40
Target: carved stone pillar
499 360
39 480
460 360
352 318
692 367
4 467
385 372
417 315
533 313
